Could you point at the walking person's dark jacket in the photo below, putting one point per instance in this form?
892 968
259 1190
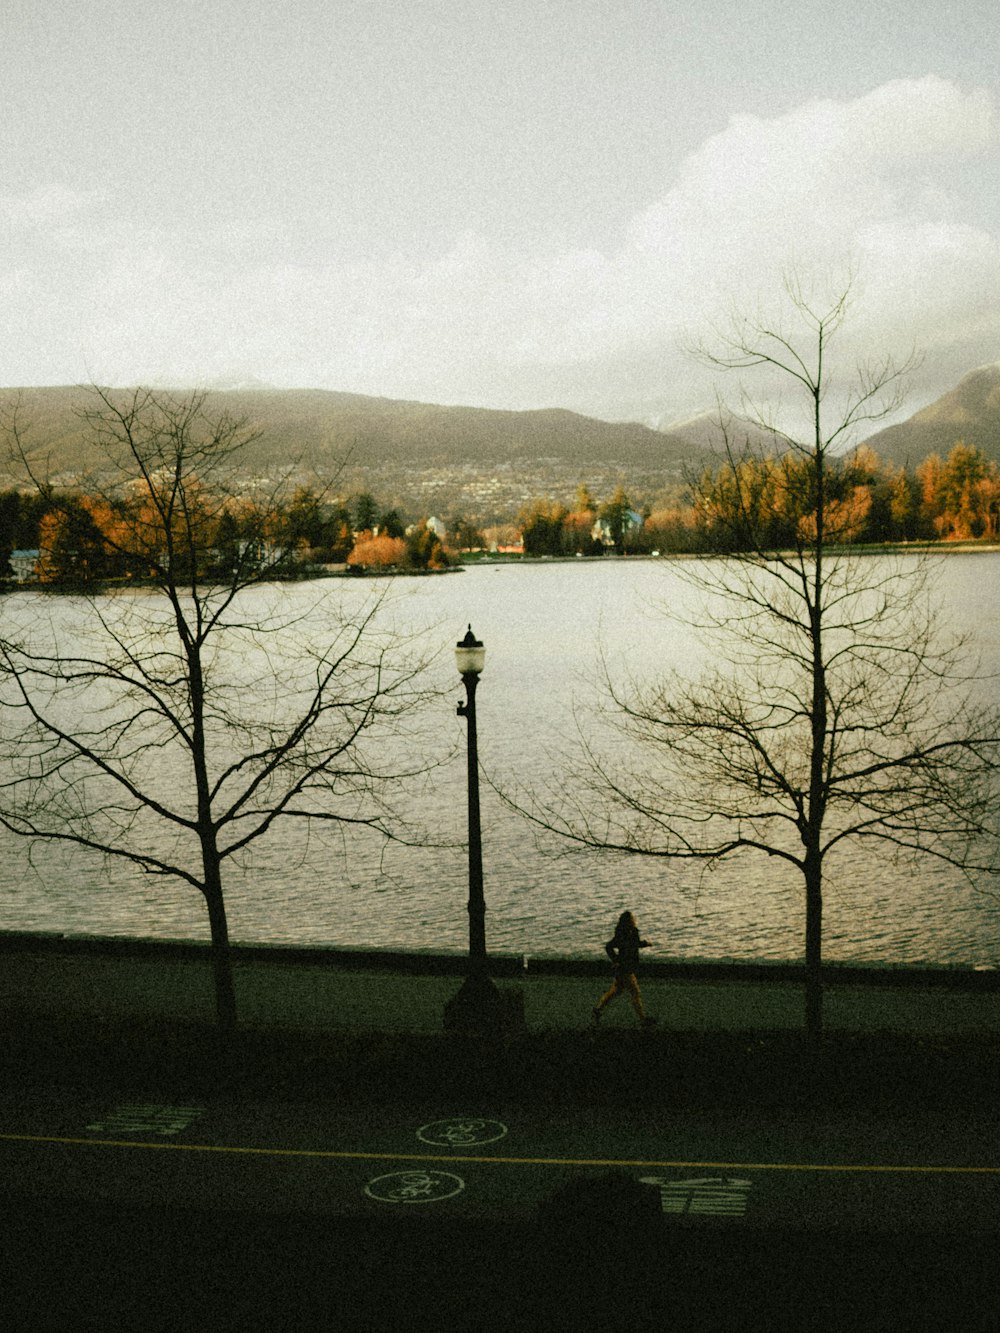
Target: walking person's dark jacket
623 948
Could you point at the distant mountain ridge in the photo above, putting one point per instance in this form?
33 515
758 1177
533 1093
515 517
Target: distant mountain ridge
421 458
482 460
969 412
323 427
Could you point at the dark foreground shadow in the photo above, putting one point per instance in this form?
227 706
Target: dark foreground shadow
82 1268
769 1072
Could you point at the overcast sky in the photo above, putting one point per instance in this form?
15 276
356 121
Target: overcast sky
527 204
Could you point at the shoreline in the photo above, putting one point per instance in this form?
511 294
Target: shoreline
322 573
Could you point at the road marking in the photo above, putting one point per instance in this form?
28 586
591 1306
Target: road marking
145 1117
414 1187
459 1133
651 1164
711 1196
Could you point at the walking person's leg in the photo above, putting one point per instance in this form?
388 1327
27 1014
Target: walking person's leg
635 996
606 998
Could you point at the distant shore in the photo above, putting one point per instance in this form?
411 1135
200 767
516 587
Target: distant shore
474 560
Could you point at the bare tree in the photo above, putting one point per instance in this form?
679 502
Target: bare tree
834 710
191 714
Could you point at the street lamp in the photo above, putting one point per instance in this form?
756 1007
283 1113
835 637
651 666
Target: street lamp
470 658
478 1003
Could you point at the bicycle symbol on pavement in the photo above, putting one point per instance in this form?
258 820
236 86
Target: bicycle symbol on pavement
414 1187
461 1132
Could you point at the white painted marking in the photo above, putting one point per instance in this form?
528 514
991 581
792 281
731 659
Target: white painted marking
414 1187
461 1132
716 1196
146 1118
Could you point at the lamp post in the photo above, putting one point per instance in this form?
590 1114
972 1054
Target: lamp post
470 658
478 1006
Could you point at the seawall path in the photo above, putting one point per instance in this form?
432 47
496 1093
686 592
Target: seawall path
317 990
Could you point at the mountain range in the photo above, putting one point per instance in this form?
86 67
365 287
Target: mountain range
970 412
481 461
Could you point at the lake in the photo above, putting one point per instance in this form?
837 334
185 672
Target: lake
544 626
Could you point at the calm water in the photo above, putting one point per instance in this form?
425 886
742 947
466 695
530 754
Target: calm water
543 626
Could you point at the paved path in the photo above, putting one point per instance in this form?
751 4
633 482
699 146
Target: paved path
923 1174
166 1208
316 998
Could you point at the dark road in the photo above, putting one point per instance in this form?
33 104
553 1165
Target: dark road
146 1212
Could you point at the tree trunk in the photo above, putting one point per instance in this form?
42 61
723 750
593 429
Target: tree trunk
814 945
818 793
222 963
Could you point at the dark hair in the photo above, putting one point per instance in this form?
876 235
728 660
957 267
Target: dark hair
626 919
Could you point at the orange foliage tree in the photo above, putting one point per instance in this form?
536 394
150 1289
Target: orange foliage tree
371 552
960 496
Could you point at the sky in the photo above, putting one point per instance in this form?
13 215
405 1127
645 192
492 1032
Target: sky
541 203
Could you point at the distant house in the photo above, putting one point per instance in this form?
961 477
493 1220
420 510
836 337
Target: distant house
24 565
601 531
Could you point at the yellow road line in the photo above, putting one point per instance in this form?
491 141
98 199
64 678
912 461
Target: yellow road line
644 1163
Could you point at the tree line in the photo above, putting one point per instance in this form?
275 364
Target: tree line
752 499
86 537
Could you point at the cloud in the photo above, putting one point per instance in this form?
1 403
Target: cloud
44 206
877 182
808 189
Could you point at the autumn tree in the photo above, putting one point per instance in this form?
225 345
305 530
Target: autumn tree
391 524
465 534
9 514
541 525
961 496
339 535
584 502
503 535
424 548
674 528
175 731
904 507
366 512
73 546
577 537
616 518
377 553
833 712
891 513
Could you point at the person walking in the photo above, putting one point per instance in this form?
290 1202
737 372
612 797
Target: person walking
623 950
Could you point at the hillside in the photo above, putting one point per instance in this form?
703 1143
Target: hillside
322 428
474 459
969 412
424 458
